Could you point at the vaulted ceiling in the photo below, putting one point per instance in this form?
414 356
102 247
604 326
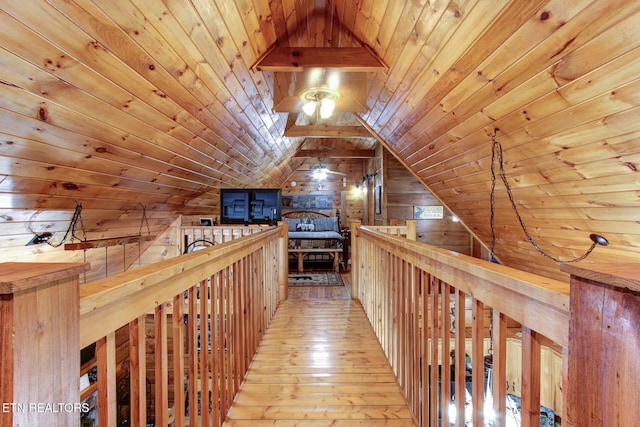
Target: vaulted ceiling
121 103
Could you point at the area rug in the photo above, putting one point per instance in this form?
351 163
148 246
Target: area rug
330 278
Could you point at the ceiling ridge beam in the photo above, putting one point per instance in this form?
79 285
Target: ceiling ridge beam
314 131
336 153
294 59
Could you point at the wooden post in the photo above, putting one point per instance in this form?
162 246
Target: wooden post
355 259
40 344
411 229
604 366
283 268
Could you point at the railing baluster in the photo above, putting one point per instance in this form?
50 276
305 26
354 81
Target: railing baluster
216 343
203 348
161 366
237 337
477 362
499 363
530 411
425 280
414 278
137 372
177 322
228 337
433 360
192 334
106 363
445 375
221 345
460 357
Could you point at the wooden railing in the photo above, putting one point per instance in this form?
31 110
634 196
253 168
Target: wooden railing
209 310
216 234
408 230
415 297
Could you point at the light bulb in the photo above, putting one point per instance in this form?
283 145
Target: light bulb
326 108
320 173
309 108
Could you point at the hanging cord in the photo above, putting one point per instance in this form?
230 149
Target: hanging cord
496 156
77 218
144 221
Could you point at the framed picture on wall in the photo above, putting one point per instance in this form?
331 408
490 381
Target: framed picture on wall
428 212
378 199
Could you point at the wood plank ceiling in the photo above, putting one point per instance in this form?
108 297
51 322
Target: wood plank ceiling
118 104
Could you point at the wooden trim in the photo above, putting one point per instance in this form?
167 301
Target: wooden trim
615 274
20 276
296 59
330 132
336 154
103 243
305 214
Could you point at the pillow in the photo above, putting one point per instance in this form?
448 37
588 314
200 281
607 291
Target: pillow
306 225
326 224
292 223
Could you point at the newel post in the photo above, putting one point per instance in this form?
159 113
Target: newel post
39 344
355 258
604 336
283 268
411 229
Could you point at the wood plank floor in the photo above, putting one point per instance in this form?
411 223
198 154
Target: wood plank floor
319 365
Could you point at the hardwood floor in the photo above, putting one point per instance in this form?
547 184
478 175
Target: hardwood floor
319 365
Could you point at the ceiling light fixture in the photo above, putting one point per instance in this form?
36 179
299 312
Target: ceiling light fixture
322 99
319 172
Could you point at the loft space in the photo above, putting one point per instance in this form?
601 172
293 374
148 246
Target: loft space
163 105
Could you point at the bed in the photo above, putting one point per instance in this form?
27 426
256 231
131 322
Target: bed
314 236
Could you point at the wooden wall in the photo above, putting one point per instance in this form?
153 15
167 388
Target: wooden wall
401 191
345 197
18 226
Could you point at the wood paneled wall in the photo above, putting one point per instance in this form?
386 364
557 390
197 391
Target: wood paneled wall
19 226
401 191
346 198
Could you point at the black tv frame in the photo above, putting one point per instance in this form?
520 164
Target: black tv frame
250 205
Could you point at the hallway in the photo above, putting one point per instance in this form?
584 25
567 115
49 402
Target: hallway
319 365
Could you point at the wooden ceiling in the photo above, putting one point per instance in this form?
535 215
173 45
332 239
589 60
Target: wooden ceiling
122 103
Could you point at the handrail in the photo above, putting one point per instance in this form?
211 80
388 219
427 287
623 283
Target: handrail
236 285
216 234
407 289
545 301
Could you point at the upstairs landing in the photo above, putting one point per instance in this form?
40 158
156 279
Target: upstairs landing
320 365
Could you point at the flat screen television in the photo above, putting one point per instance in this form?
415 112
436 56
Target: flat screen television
250 205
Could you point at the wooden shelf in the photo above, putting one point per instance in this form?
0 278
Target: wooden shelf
102 243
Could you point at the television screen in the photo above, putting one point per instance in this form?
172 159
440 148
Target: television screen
250 205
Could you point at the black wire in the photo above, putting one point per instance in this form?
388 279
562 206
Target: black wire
144 220
77 217
496 154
